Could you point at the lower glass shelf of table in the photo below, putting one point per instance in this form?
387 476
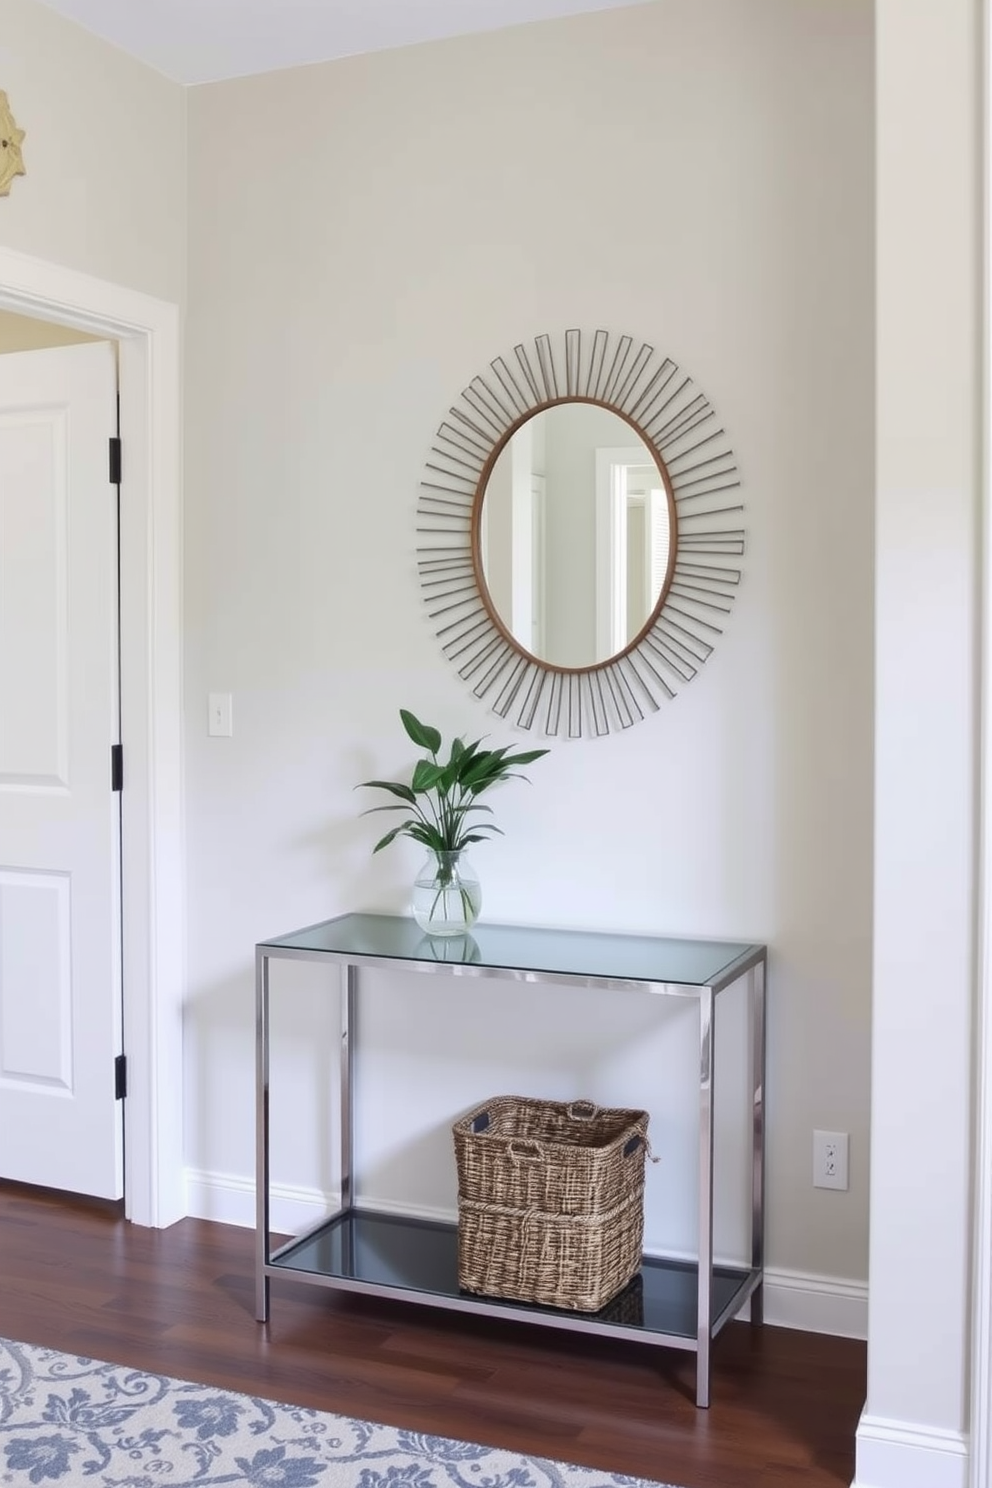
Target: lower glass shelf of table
417 1260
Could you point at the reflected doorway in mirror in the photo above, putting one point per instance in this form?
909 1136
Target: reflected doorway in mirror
633 546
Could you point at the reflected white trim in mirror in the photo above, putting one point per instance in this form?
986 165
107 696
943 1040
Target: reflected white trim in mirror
614 497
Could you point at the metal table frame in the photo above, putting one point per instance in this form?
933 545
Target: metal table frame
752 964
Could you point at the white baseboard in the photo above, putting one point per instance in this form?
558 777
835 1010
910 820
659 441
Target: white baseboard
229 1199
898 1454
812 1304
816 1304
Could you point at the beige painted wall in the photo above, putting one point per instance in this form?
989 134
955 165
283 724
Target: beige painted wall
22 333
399 221
105 152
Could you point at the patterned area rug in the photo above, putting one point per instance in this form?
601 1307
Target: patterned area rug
76 1421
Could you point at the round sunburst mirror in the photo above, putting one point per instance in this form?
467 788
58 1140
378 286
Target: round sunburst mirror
579 525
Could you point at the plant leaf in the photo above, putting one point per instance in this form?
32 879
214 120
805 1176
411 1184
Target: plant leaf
395 787
479 768
426 776
486 783
449 777
385 841
498 779
429 836
422 734
526 758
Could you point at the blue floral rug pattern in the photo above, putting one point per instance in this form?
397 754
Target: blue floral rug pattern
73 1421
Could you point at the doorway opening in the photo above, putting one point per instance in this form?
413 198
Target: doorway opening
147 332
61 1012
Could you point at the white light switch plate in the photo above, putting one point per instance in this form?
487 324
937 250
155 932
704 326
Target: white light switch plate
221 715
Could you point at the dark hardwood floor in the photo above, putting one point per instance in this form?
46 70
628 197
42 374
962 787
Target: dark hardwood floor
75 1276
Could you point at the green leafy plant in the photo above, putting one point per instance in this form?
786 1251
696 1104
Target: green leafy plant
442 798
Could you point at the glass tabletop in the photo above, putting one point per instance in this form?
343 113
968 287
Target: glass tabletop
518 949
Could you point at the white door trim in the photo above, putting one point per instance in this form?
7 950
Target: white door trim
151 660
981 1280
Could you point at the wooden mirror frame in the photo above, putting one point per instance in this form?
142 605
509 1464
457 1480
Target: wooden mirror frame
681 430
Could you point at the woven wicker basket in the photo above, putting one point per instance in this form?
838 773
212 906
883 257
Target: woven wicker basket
550 1200
627 1306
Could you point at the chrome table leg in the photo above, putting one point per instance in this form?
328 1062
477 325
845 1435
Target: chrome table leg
704 1291
261 1135
756 1007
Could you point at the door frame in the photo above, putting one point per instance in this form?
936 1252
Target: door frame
147 331
981 1236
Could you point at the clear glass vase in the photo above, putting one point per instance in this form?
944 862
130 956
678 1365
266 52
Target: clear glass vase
447 896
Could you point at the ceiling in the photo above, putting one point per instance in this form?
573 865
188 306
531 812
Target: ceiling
201 41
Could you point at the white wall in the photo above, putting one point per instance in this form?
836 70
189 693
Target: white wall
105 153
349 273
929 319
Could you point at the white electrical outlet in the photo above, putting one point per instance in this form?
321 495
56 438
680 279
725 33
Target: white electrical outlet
830 1154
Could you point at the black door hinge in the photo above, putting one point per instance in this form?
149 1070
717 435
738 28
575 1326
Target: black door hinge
115 460
120 1077
116 767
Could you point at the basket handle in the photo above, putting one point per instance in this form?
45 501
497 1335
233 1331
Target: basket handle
583 1110
517 1153
635 1143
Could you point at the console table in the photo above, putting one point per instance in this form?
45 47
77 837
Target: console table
674 1303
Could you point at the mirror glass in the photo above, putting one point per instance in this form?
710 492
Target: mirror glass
575 533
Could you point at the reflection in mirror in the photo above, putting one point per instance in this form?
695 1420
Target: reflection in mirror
575 534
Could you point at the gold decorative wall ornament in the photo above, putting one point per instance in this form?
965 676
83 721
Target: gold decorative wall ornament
540 477
11 139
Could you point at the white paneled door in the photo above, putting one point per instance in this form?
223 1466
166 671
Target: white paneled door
60 1018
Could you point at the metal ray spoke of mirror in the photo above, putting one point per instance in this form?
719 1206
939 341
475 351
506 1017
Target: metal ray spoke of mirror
579 531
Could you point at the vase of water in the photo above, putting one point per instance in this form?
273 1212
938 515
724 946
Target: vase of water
447 896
